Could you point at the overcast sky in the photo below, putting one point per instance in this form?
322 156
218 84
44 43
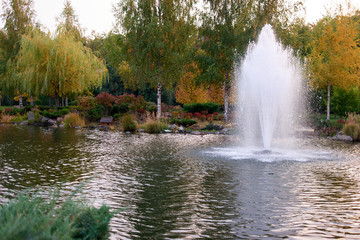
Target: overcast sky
97 15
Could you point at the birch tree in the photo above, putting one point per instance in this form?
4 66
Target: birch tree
335 57
227 27
156 36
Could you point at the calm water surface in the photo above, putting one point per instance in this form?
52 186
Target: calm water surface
170 188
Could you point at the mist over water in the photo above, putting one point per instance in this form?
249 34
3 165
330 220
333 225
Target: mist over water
268 81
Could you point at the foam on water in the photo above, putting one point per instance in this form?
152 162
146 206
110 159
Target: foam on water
275 155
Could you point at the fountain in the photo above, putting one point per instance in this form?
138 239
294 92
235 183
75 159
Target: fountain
269 79
269 98
269 89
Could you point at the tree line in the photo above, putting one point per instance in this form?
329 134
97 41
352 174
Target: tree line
162 47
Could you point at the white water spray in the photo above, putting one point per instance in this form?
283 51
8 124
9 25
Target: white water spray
268 83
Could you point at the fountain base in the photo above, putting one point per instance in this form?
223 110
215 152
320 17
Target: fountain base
264 152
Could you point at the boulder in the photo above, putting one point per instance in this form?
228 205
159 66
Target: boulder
340 137
181 129
60 119
24 123
167 131
172 126
52 122
31 116
196 133
44 120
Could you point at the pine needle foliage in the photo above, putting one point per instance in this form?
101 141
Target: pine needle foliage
32 217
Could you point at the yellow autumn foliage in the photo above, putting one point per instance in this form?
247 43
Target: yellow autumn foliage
188 91
335 54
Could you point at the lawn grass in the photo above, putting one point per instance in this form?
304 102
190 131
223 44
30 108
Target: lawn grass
2 108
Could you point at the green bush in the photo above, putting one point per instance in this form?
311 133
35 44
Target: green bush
96 112
129 124
120 108
48 114
54 115
183 122
211 127
154 127
202 107
63 112
92 223
151 107
31 217
344 101
44 108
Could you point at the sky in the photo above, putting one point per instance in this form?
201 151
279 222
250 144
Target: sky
98 16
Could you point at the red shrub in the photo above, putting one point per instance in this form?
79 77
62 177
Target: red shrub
341 121
86 103
197 115
106 99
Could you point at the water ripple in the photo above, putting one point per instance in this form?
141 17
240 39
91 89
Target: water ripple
169 187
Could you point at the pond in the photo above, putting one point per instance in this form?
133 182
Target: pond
169 186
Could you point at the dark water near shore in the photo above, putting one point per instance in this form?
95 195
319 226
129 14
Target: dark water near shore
169 189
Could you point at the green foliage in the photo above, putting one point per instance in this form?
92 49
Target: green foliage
201 107
211 127
135 104
95 113
53 114
155 127
92 223
18 118
128 123
183 122
345 101
158 34
17 16
31 217
89 108
60 66
120 108
151 107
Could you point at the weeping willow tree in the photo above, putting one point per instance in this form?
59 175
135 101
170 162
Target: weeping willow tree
56 67
18 16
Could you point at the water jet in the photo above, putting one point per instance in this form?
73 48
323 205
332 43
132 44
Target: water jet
268 80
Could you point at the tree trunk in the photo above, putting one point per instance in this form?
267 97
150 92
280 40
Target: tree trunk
62 101
56 102
159 89
50 102
20 101
226 102
328 103
0 99
67 101
32 101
